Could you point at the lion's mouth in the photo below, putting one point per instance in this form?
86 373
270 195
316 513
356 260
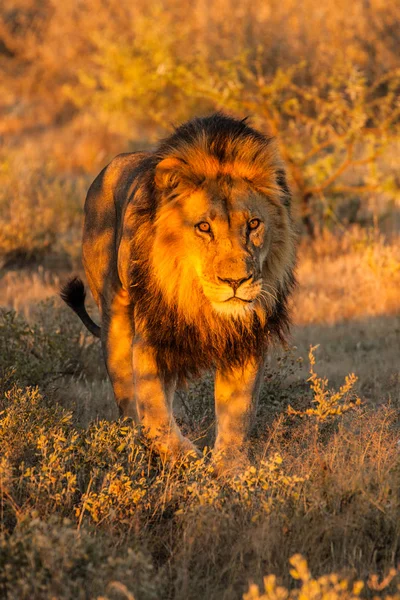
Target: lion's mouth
237 300
234 306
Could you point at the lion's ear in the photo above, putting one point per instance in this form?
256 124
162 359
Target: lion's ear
168 174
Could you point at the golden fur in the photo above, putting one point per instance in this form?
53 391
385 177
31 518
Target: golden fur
189 252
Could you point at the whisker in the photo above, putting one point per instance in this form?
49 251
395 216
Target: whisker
266 298
270 294
270 286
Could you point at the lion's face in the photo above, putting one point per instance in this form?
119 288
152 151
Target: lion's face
216 239
226 238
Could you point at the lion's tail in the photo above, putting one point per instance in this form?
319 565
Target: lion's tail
73 293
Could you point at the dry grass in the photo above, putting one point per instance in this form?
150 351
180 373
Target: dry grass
347 276
348 302
76 502
23 289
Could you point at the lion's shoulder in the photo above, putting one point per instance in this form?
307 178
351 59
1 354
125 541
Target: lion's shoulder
125 168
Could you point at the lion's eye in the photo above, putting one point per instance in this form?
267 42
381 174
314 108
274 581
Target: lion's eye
254 223
204 227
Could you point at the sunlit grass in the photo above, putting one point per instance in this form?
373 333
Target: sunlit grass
347 275
76 501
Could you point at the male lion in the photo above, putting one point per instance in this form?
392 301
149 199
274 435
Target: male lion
189 252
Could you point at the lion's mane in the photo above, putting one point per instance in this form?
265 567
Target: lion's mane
211 147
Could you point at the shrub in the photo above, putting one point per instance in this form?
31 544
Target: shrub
327 586
53 560
41 212
40 353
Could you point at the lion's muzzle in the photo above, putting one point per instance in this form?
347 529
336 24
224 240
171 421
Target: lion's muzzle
234 283
228 295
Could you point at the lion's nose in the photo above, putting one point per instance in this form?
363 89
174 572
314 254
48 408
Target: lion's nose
235 283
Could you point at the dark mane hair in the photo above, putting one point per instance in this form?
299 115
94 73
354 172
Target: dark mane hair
189 349
204 147
217 132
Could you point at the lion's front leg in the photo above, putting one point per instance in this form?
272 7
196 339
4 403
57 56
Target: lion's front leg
154 400
236 396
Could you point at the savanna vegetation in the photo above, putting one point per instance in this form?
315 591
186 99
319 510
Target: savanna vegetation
87 509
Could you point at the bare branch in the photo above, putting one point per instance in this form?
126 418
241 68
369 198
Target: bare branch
339 171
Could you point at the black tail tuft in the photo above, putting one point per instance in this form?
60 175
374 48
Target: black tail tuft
73 293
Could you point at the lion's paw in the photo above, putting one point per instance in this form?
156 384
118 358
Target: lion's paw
176 448
229 462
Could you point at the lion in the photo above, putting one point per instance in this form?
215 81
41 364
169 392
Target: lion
189 252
